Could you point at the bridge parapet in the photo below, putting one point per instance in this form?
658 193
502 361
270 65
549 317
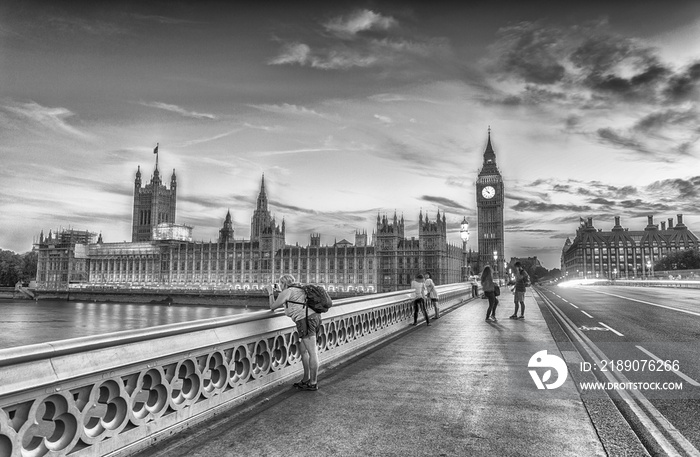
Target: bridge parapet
118 393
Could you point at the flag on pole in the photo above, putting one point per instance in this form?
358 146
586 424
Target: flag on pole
155 151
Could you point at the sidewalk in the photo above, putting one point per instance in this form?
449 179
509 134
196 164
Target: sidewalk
459 387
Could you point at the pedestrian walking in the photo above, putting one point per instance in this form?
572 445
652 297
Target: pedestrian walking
432 294
419 291
489 291
293 299
522 280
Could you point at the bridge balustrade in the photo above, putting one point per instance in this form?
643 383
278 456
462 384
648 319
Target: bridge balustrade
121 392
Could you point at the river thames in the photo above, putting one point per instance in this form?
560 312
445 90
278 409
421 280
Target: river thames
24 322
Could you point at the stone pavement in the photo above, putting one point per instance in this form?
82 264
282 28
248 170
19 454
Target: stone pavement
459 387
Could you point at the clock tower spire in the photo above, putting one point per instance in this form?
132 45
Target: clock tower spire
489 204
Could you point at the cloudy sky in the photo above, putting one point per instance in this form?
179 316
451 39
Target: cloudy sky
350 109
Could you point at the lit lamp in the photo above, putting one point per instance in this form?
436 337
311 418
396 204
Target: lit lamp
495 262
649 268
464 235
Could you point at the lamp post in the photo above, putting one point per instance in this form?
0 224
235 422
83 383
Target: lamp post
495 262
649 268
464 235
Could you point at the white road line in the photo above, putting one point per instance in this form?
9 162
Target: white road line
611 329
573 305
587 314
682 375
648 303
565 300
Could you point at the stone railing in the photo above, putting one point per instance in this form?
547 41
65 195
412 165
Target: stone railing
118 393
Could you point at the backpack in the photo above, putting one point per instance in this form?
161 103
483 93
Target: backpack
316 297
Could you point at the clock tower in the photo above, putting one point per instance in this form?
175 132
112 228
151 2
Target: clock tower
489 204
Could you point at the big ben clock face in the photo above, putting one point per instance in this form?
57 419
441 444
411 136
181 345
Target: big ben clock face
488 192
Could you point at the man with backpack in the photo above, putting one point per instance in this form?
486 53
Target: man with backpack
522 280
302 304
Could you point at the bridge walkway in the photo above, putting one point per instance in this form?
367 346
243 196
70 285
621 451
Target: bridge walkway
459 387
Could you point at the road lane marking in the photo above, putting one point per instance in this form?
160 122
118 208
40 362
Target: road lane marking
611 329
587 314
682 375
648 303
573 305
651 418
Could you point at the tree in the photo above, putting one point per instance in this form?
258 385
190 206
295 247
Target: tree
17 267
688 259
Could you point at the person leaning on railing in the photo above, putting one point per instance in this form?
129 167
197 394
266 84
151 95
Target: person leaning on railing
308 323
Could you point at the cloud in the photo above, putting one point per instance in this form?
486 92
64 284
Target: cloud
287 108
541 207
178 110
442 201
383 119
684 86
529 51
90 26
211 138
613 138
162 19
51 118
366 39
359 21
687 188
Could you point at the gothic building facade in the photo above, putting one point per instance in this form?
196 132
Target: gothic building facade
163 254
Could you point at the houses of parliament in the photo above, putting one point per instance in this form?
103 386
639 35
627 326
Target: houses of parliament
162 254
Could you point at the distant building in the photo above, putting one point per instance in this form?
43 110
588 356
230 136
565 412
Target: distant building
620 252
62 258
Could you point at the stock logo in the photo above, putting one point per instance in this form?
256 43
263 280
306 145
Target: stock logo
543 360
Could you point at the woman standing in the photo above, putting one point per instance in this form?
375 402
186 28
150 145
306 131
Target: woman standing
432 293
489 290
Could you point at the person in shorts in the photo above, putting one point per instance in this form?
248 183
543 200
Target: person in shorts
521 281
292 297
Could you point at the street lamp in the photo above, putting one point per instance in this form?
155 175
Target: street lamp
649 268
495 262
464 235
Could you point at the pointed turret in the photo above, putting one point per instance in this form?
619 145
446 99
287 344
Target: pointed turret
173 180
489 154
41 237
262 196
137 181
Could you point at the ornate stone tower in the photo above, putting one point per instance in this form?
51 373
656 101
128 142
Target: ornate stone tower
226 232
489 203
388 238
261 216
433 244
153 204
263 227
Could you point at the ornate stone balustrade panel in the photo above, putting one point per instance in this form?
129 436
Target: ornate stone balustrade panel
98 395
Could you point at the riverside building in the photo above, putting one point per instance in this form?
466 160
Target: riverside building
620 252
